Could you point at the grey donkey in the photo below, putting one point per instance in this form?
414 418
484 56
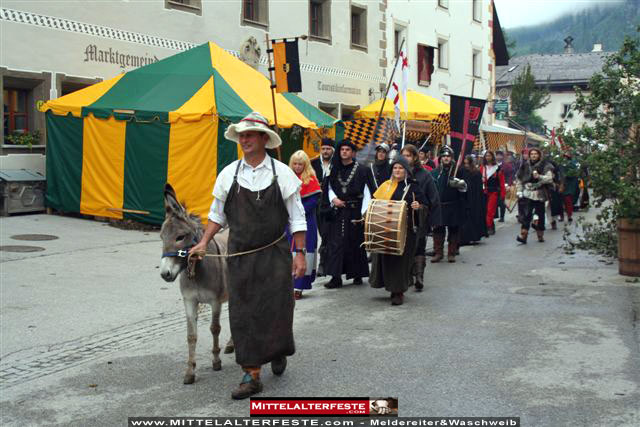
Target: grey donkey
209 278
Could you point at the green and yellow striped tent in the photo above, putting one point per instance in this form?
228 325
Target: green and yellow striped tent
112 146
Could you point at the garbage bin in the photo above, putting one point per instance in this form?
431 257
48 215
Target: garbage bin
21 190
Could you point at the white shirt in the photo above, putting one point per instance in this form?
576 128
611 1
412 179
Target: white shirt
257 179
326 168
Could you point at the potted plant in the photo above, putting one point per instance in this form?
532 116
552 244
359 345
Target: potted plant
609 147
24 138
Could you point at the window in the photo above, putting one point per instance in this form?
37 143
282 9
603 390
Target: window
193 6
443 54
477 10
425 64
16 118
320 19
359 27
348 111
443 4
566 111
399 33
331 109
477 63
255 12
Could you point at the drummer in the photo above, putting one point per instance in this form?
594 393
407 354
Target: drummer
393 272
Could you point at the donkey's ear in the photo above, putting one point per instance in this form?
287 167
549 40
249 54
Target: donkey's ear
171 203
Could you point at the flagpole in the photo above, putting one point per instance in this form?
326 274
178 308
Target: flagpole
384 99
464 141
273 92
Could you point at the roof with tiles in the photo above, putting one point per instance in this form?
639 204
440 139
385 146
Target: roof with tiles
563 68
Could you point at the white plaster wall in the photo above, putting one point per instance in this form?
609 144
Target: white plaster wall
35 48
552 113
426 22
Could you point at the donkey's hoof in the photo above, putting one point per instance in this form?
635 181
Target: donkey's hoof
189 379
217 365
229 349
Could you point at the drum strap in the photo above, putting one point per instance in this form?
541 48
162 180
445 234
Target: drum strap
406 190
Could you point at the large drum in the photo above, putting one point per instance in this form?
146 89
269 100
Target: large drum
385 227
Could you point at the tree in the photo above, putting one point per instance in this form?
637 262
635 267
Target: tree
526 98
614 101
511 44
610 145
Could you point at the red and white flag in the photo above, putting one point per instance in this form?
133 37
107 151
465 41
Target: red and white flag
404 64
557 140
402 68
394 94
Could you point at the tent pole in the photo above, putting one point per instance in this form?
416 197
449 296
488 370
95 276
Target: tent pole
273 93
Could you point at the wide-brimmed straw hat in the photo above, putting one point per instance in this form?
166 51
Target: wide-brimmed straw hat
256 122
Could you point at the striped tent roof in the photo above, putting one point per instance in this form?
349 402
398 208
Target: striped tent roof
205 80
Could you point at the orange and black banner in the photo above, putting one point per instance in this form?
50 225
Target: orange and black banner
287 66
361 131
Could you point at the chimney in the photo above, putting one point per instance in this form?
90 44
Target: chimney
597 47
568 48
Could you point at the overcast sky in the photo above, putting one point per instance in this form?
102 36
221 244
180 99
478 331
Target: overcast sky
518 13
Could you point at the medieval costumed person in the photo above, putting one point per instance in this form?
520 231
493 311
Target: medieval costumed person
502 205
532 179
493 187
349 196
310 193
393 272
322 164
322 167
380 169
258 197
475 227
425 161
453 200
571 189
555 208
428 212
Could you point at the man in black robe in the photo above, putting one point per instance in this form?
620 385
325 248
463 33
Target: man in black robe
348 194
475 226
322 164
453 203
322 167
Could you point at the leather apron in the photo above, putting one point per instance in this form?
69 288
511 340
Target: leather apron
260 284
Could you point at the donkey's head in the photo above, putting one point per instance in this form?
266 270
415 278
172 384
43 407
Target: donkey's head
180 231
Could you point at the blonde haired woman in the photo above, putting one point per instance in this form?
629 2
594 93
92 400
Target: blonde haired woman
310 193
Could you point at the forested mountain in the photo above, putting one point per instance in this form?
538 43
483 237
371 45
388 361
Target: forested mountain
603 23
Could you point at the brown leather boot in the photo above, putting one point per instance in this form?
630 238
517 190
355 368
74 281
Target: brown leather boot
419 264
438 247
522 238
452 247
249 386
540 234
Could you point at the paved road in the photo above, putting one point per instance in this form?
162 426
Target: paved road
90 335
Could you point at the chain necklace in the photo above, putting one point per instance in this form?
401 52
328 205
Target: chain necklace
345 184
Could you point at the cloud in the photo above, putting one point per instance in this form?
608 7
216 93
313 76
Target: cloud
519 13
